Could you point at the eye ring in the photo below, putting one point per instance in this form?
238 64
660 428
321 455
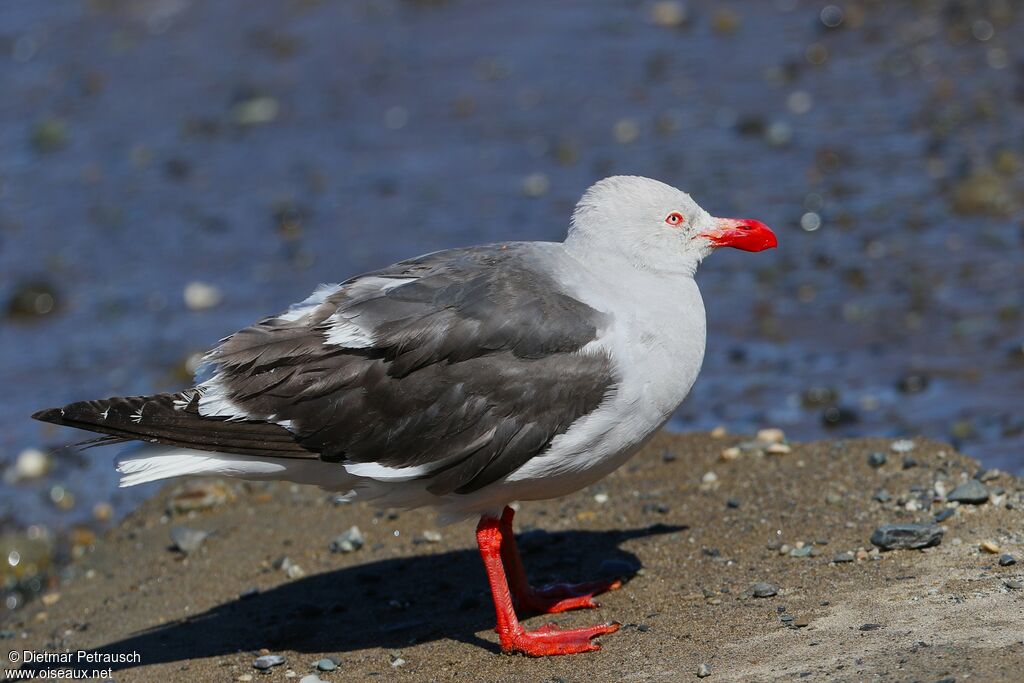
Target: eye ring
675 219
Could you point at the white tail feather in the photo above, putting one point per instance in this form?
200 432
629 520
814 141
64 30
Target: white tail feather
152 463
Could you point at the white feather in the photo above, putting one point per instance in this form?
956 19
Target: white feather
303 308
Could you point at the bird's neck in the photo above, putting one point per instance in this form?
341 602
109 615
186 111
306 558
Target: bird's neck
593 252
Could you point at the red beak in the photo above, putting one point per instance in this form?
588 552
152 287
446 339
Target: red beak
742 233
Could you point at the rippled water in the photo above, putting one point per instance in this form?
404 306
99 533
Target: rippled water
263 148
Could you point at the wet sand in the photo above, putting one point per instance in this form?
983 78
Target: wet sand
403 607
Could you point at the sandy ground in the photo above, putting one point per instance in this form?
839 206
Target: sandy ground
405 608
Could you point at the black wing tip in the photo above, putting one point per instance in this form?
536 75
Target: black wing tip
53 415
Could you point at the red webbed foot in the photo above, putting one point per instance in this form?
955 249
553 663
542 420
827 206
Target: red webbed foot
551 640
562 597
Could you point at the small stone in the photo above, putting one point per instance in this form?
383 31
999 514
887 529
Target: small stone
729 454
843 557
1006 560
732 503
764 590
944 514
771 435
311 678
326 664
709 478
972 492
990 547
32 463
294 571
348 541
536 185
1014 584
719 432
670 13
778 449
870 627
909 462
265 662
902 446
877 459
51 599
703 671
882 496
601 498
803 551
255 111
187 540
801 622
432 536
200 296
906 536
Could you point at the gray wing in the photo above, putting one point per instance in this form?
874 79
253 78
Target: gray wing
463 364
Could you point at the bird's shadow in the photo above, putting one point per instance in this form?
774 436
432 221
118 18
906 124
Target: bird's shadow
391 603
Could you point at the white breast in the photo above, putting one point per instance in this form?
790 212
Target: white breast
656 340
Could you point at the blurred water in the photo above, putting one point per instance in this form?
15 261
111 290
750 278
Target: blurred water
263 148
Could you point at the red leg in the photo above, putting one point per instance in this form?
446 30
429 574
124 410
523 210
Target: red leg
549 599
547 640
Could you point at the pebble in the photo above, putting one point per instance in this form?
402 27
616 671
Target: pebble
255 111
764 590
1006 560
909 462
432 536
944 514
311 678
989 547
803 551
778 449
326 664
32 300
1014 584
187 540
670 13
536 185
902 446
266 661
877 459
703 671
771 435
348 541
972 492
870 627
32 463
601 498
882 496
729 454
906 536
200 296
843 557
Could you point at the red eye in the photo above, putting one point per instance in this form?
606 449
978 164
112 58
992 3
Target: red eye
674 219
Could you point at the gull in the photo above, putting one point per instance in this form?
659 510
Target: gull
467 380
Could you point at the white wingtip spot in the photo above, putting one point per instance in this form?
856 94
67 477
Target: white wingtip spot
345 332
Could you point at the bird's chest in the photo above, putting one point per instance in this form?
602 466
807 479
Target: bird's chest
658 349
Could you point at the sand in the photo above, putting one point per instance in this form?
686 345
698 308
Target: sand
406 608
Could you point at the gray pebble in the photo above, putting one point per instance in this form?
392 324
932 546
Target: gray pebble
882 496
972 491
904 536
843 557
877 459
703 671
1006 559
326 664
803 551
187 540
944 514
348 541
764 590
311 678
1014 584
266 661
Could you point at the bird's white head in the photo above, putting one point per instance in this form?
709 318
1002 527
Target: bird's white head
655 226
